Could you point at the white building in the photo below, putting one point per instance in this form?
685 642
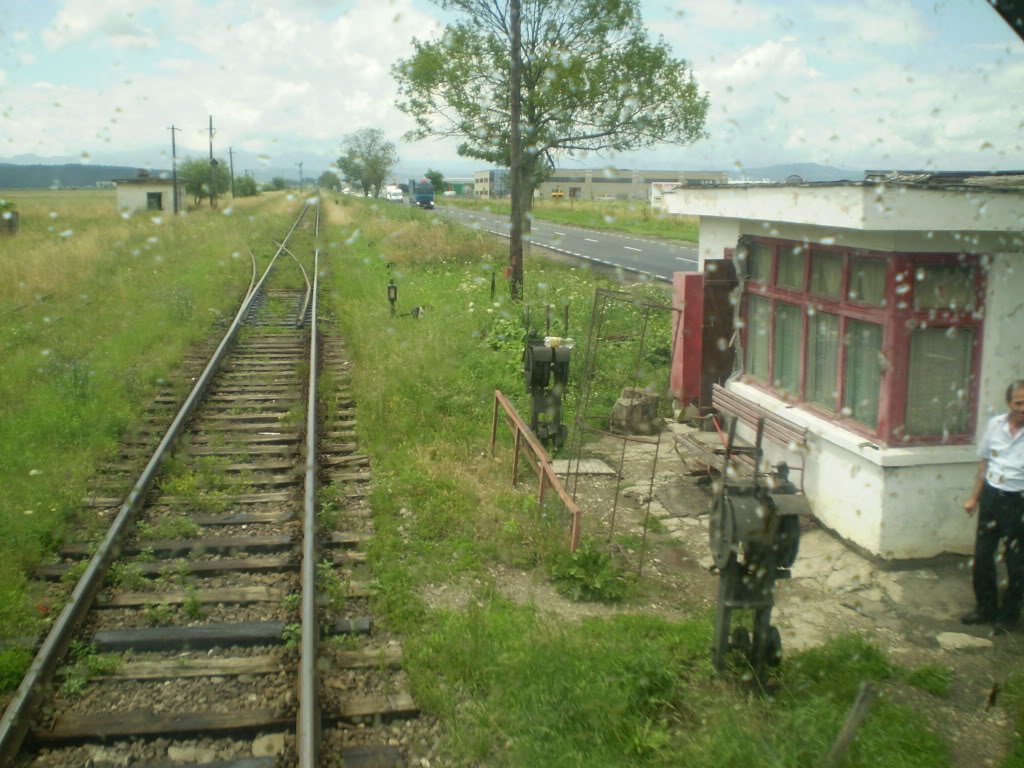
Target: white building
886 318
148 193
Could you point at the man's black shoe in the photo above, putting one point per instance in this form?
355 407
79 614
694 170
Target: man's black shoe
1003 627
977 617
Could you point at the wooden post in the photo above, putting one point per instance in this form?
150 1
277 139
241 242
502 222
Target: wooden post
515 458
494 424
853 723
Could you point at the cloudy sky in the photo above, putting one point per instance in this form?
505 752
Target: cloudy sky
867 84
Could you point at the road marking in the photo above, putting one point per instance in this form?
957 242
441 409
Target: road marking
560 233
590 239
692 261
630 248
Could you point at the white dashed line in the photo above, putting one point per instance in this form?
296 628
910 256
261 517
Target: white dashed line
692 261
590 239
631 248
561 234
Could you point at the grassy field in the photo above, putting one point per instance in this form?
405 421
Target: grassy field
627 216
95 312
515 685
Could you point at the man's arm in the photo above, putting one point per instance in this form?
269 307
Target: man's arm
971 503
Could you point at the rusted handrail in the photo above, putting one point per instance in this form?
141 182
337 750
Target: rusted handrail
540 462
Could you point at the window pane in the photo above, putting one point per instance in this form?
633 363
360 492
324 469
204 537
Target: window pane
757 337
863 371
867 280
822 359
940 370
760 267
826 272
786 368
944 286
791 267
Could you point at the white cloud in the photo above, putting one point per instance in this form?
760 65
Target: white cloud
883 22
112 20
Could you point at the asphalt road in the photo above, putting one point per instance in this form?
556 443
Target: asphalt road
635 253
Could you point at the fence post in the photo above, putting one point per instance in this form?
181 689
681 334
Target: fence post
494 424
515 458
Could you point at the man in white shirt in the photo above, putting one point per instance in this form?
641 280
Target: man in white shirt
999 491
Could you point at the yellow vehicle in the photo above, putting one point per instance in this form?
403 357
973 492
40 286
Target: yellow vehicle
558 194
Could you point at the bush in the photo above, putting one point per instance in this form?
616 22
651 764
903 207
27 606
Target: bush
589 573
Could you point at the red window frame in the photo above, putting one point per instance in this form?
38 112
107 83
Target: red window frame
898 320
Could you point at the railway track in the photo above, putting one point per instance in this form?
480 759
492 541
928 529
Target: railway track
222 616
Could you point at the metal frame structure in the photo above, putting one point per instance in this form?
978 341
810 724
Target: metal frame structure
599 311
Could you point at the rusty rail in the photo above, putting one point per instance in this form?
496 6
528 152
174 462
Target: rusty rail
539 461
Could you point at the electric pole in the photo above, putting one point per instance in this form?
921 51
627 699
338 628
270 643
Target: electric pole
300 176
515 257
231 159
213 170
174 168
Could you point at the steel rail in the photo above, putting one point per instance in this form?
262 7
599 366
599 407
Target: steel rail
309 289
15 721
308 722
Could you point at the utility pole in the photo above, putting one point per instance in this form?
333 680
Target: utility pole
174 168
231 159
300 176
515 257
213 170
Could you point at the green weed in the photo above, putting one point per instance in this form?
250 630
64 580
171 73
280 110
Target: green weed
86 664
589 573
936 679
158 614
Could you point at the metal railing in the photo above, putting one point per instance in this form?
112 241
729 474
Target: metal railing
538 459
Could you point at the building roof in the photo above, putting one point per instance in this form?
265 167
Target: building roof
879 206
147 180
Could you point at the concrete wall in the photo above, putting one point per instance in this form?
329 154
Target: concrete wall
893 502
132 197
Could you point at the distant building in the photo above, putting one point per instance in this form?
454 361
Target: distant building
492 183
106 184
619 183
148 193
880 317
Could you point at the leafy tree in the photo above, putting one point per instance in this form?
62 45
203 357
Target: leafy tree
245 186
367 159
592 81
329 180
196 173
278 182
437 179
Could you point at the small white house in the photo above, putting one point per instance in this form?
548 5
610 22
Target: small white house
148 193
887 318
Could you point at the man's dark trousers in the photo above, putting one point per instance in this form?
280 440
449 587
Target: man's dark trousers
1001 516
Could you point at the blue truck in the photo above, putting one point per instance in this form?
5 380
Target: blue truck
421 193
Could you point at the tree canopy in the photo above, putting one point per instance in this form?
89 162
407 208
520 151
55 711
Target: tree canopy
195 171
245 186
278 182
592 81
437 179
328 179
367 158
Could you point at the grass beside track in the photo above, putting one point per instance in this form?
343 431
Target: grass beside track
622 215
517 686
95 313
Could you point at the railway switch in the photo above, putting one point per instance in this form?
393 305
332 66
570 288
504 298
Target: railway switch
754 533
546 370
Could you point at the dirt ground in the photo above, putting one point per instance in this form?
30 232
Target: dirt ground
911 611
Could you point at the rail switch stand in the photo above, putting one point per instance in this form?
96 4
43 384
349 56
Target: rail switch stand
754 532
546 370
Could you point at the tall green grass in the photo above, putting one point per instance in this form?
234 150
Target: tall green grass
95 313
514 685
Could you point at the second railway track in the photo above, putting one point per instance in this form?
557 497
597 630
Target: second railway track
224 617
